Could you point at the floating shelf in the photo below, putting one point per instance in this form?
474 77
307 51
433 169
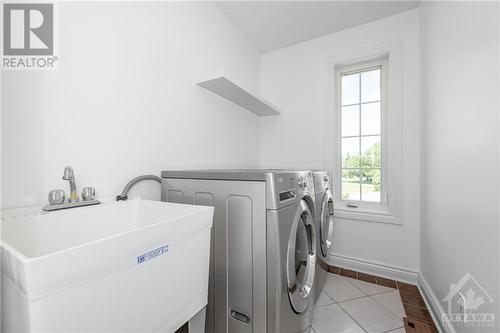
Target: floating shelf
226 88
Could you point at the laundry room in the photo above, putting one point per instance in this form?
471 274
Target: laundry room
250 166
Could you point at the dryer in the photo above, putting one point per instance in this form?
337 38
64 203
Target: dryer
324 226
263 251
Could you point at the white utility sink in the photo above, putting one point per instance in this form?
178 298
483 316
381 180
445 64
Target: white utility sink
137 266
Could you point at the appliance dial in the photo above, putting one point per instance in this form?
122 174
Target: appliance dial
303 183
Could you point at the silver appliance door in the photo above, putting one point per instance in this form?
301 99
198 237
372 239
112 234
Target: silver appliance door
326 223
301 258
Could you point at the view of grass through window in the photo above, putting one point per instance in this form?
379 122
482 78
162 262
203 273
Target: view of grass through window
361 135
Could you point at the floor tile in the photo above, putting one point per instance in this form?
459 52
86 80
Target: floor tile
334 269
323 300
332 275
339 289
367 277
413 299
386 282
417 313
408 288
370 288
397 330
416 326
348 273
370 315
332 319
392 302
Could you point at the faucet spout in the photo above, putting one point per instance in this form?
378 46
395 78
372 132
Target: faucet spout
70 176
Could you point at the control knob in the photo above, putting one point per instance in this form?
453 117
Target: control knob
303 183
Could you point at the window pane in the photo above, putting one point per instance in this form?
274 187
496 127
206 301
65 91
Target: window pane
370 152
350 120
370 118
350 185
370 86
350 153
350 89
370 188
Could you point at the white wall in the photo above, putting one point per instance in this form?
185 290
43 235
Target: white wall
123 101
460 146
294 79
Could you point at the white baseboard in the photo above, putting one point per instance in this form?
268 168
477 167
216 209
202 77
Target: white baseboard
377 269
433 305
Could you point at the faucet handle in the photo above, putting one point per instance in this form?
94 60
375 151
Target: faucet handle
88 193
56 197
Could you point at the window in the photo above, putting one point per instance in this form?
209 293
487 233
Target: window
361 133
363 149
362 146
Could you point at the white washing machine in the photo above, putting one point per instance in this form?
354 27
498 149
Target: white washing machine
324 226
263 253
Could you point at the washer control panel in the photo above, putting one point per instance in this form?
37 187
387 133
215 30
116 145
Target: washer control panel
306 182
302 182
291 186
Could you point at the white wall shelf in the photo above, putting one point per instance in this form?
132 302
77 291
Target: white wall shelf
231 91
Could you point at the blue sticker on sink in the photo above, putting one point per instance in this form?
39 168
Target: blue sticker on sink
151 254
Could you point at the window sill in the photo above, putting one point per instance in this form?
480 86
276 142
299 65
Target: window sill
367 215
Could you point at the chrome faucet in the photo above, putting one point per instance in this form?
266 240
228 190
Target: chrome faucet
69 175
57 197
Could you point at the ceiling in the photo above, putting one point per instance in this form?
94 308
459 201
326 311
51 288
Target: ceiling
271 25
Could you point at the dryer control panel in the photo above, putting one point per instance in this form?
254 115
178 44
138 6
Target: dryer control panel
321 181
326 182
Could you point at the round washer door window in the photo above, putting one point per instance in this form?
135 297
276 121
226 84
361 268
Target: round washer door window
326 223
301 259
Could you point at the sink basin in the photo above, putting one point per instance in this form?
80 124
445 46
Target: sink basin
137 265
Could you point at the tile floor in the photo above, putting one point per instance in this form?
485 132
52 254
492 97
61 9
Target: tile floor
347 305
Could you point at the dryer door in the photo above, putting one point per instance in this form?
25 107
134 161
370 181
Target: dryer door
301 258
326 223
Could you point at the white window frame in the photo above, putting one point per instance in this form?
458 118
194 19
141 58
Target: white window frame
340 71
388 55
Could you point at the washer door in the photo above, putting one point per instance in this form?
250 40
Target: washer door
301 258
326 223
